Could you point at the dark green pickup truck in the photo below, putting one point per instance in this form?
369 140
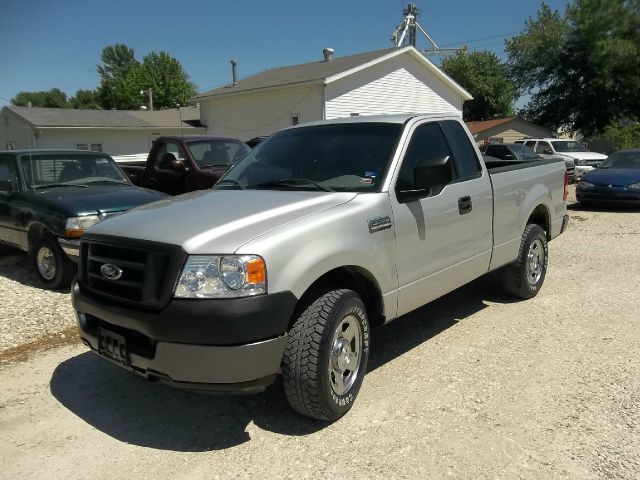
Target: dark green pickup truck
48 198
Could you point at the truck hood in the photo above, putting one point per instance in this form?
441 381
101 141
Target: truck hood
218 221
583 155
613 176
73 201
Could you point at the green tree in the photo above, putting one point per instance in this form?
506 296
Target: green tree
623 134
581 68
125 81
117 62
54 98
84 99
485 77
167 79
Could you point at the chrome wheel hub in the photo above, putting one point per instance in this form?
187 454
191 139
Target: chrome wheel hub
344 358
46 262
535 262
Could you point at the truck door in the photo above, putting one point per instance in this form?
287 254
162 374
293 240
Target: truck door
161 176
443 238
10 202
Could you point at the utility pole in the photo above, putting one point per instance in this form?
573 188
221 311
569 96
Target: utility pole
405 33
150 99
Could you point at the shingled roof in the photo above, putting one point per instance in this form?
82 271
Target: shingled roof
320 71
68 117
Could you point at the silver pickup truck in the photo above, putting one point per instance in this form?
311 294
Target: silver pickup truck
320 233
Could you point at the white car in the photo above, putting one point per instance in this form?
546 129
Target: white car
583 159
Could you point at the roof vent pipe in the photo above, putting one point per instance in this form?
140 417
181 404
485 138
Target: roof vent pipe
328 54
233 72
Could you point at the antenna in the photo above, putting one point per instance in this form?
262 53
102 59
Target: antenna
405 33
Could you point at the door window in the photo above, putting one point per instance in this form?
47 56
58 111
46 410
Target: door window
465 155
168 152
9 171
542 146
427 146
531 144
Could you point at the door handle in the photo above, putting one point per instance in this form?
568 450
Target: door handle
464 205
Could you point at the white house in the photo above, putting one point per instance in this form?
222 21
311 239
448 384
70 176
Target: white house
395 80
116 132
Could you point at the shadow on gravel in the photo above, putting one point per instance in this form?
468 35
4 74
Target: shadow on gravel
133 410
15 265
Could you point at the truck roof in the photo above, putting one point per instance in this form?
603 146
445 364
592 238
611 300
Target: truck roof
394 118
35 151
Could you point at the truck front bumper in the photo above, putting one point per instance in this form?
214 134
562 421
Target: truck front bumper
225 352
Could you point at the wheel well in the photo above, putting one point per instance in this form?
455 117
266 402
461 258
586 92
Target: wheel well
540 216
354 278
35 232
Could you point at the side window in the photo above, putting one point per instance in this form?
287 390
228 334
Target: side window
542 146
465 155
427 146
168 152
9 172
531 144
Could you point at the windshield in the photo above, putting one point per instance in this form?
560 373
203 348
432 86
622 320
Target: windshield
217 153
349 157
623 160
523 152
569 146
48 169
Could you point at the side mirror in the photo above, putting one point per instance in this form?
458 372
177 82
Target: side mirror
509 157
547 151
429 178
7 186
178 165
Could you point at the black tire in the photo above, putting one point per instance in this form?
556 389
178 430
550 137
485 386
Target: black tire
523 278
61 268
309 379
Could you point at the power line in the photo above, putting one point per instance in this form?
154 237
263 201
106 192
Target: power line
5 99
473 40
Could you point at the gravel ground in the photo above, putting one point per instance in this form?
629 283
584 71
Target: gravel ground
473 385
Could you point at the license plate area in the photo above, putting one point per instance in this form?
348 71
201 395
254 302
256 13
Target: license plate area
113 346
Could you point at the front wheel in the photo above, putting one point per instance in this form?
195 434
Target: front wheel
51 264
326 355
524 277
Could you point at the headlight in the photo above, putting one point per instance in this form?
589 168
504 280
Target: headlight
76 226
585 185
580 162
207 276
634 186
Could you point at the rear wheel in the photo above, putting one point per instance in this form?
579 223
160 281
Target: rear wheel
51 264
326 355
524 277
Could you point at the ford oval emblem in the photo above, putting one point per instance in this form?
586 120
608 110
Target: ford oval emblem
111 271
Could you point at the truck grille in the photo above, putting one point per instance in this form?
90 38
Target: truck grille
137 272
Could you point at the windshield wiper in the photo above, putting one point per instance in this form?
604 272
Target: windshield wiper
51 185
231 181
293 182
119 182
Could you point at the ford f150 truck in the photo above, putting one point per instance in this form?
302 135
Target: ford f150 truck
178 165
320 233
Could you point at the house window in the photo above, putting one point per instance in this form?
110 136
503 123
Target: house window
10 145
295 118
94 147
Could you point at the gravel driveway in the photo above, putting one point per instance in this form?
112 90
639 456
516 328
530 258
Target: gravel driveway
473 385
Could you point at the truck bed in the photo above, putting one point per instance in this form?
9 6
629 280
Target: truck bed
517 187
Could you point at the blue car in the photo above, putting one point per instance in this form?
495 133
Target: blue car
617 180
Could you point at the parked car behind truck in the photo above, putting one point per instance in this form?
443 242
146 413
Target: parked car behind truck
569 150
178 165
320 233
49 197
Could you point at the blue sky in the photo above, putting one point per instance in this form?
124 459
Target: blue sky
47 44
